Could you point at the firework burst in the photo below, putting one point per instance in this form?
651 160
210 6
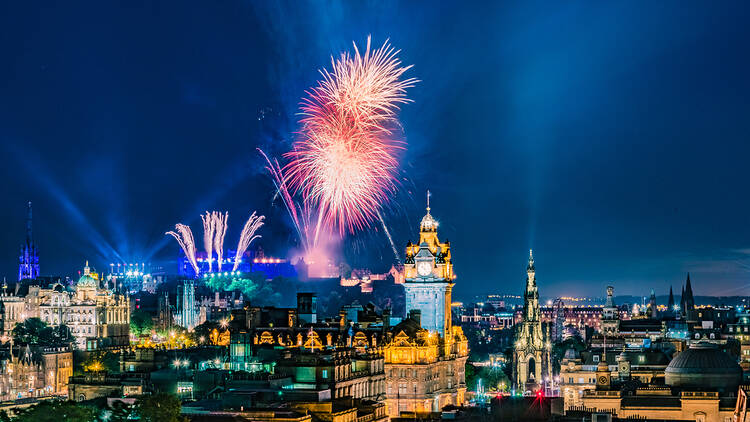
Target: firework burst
248 235
345 163
220 229
184 237
208 237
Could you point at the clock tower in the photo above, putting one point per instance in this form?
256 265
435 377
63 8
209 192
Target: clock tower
428 273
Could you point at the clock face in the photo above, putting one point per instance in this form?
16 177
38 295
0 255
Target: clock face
424 268
602 380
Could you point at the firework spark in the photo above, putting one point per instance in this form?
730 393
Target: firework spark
220 229
184 237
300 218
208 237
248 235
345 163
390 239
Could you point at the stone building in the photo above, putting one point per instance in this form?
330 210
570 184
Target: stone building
347 373
532 346
27 372
610 321
98 316
700 384
426 355
578 370
93 385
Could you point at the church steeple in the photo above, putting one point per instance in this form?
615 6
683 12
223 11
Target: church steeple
28 260
670 302
29 235
688 301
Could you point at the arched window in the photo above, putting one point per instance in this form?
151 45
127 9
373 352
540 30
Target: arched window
532 368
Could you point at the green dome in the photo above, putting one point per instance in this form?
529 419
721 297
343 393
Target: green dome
87 281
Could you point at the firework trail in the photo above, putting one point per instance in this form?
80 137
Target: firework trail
184 237
300 218
208 237
248 235
345 163
220 229
390 239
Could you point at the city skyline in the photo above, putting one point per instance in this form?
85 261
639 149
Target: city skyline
617 157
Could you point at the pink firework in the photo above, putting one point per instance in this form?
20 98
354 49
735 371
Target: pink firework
345 163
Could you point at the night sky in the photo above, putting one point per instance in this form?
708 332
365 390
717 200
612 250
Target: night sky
611 137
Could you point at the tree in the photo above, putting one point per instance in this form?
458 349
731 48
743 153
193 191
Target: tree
27 332
120 412
141 323
56 411
160 407
35 332
99 361
493 378
203 331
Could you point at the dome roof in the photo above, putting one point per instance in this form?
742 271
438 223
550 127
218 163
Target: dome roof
703 365
572 353
86 279
428 223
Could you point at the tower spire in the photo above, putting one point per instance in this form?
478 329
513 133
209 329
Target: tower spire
428 201
29 237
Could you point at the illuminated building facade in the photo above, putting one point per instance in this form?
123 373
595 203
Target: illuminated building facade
610 322
186 316
531 351
578 370
97 316
699 384
27 372
28 260
426 355
251 261
428 273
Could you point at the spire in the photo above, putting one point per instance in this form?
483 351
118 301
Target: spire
688 287
29 237
28 259
530 267
428 223
670 302
682 300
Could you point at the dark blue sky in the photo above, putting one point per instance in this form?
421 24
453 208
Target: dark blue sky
612 137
